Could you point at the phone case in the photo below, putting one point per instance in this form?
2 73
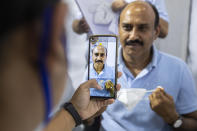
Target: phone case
102 65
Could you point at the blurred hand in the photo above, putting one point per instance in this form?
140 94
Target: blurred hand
80 26
90 120
90 108
163 25
163 105
118 5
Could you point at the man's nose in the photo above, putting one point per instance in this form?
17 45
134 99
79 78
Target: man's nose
99 57
133 34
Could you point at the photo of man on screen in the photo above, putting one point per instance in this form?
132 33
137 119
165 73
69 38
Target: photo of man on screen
100 71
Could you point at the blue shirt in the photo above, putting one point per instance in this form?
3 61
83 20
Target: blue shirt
108 73
164 70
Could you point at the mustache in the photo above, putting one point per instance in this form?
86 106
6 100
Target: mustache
99 61
134 42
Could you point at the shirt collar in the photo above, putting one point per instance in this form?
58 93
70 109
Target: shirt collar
155 57
101 71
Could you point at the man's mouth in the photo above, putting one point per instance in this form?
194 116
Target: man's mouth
99 61
134 43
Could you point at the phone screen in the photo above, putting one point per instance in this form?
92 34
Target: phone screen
102 65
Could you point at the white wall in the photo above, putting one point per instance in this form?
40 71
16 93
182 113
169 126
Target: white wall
192 62
176 41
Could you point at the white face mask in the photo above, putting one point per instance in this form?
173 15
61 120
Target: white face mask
131 96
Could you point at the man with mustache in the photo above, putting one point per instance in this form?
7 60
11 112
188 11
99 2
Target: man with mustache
172 107
118 5
101 72
99 55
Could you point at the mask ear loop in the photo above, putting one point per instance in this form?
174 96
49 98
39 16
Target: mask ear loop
44 46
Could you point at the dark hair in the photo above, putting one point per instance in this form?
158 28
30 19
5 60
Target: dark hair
156 14
155 11
14 13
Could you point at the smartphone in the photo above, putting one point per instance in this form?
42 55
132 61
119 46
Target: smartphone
102 65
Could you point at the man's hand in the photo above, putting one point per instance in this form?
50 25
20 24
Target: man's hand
90 108
81 100
163 105
80 26
90 120
118 5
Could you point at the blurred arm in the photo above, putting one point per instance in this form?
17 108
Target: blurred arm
80 26
118 5
63 121
163 28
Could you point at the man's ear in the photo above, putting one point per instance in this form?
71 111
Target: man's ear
156 32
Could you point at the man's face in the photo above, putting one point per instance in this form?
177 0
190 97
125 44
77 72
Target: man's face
136 29
99 55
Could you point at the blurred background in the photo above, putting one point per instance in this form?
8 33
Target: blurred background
181 40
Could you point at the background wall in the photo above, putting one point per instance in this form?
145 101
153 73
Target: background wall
176 41
192 60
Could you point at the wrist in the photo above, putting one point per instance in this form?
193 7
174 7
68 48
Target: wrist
172 118
177 123
69 118
73 112
77 108
81 111
88 122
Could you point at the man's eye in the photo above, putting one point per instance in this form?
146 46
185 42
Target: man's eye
96 54
127 27
142 28
102 55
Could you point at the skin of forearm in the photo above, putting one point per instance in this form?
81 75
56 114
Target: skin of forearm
163 28
189 124
118 5
75 27
62 121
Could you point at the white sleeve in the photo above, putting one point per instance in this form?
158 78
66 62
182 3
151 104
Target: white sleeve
74 9
160 5
79 15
